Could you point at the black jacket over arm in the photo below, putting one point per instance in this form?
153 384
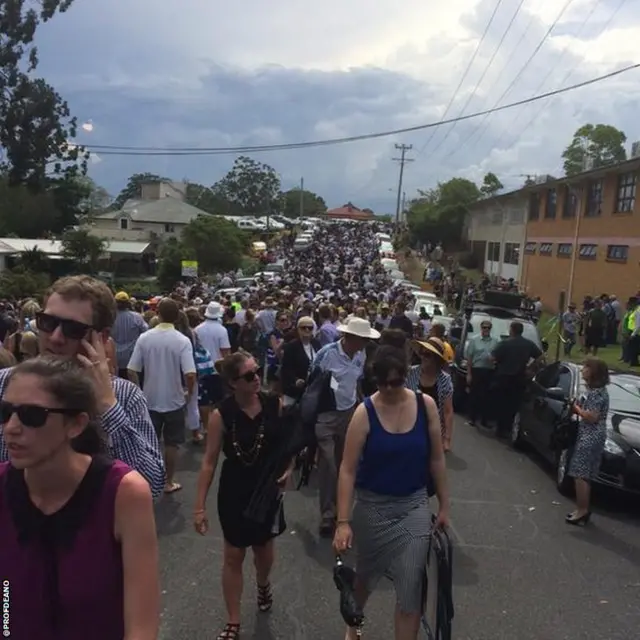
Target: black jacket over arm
295 366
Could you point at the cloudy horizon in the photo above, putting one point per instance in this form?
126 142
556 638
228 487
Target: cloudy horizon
198 73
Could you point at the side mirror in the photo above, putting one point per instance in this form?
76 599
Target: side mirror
556 393
545 346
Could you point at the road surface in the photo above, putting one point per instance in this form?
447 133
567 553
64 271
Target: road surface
521 573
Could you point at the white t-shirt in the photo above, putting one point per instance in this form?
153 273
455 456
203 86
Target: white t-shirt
213 336
165 354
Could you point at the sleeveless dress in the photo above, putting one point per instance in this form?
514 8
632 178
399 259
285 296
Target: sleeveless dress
239 479
65 569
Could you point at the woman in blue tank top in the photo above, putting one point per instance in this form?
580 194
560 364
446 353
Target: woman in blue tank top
393 448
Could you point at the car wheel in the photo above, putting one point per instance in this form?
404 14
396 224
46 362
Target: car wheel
563 482
516 438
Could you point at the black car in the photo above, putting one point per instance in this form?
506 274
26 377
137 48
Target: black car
548 396
501 320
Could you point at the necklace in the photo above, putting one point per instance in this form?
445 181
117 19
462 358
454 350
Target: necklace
247 457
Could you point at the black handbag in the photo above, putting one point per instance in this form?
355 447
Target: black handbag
565 433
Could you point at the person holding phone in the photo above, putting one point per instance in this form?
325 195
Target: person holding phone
77 316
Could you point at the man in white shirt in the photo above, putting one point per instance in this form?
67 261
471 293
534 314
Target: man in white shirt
213 336
166 355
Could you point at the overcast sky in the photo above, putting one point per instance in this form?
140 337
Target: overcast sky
207 73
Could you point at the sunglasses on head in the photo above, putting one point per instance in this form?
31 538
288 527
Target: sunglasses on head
30 415
71 329
250 376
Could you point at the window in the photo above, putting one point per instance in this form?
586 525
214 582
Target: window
169 228
493 251
565 249
546 248
516 216
626 193
496 217
617 252
530 247
511 253
555 375
534 206
552 201
594 202
570 207
588 251
124 223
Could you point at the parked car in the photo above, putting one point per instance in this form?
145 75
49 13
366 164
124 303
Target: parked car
548 396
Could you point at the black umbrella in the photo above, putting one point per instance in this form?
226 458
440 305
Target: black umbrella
344 578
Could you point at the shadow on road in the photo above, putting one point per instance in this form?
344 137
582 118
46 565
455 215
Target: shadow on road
602 539
170 518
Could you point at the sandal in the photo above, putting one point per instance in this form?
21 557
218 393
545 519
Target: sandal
265 597
231 631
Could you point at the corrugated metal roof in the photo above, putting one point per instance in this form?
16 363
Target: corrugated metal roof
126 246
9 246
164 211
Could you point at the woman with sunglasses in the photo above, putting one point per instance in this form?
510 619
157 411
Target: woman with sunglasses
431 378
245 428
393 447
78 543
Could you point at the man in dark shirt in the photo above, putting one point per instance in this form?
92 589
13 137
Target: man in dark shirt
400 320
511 358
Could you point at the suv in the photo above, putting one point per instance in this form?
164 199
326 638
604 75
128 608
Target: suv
501 309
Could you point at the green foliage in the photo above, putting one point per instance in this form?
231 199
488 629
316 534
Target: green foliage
133 188
35 122
34 260
600 144
83 248
210 199
438 215
312 204
170 257
491 185
21 283
250 187
216 243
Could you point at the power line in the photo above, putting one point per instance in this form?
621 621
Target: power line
403 148
105 150
484 73
552 69
464 76
481 126
568 74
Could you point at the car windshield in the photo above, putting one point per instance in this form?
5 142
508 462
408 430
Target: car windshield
624 393
500 328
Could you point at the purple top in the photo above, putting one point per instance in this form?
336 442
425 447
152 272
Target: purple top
64 570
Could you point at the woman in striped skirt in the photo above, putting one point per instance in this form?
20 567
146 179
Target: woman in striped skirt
393 446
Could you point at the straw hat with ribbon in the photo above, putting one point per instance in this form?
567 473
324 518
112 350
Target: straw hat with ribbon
432 345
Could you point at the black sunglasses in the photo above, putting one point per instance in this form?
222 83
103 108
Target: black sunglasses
71 329
305 328
30 415
250 376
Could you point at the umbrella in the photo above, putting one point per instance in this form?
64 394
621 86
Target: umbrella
344 578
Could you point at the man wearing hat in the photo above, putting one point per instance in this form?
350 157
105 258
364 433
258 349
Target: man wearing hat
570 320
345 360
213 336
127 328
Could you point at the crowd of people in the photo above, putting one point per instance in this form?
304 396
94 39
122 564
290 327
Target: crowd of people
99 392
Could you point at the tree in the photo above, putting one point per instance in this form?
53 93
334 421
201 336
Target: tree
93 199
216 243
438 215
209 199
133 189
35 123
312 204
34 260
491 185
82 247
170 257
251 187
594 146
18 283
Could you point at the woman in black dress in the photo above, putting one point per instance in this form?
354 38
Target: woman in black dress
247 429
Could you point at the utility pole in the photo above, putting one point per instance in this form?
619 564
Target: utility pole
403 148
301 197
404 206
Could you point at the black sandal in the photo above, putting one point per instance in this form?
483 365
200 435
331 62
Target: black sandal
265 597
231 631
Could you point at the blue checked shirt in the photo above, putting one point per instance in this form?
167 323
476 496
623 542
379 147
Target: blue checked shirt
128 427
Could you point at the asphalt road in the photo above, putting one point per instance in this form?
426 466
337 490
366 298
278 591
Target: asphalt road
521 573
